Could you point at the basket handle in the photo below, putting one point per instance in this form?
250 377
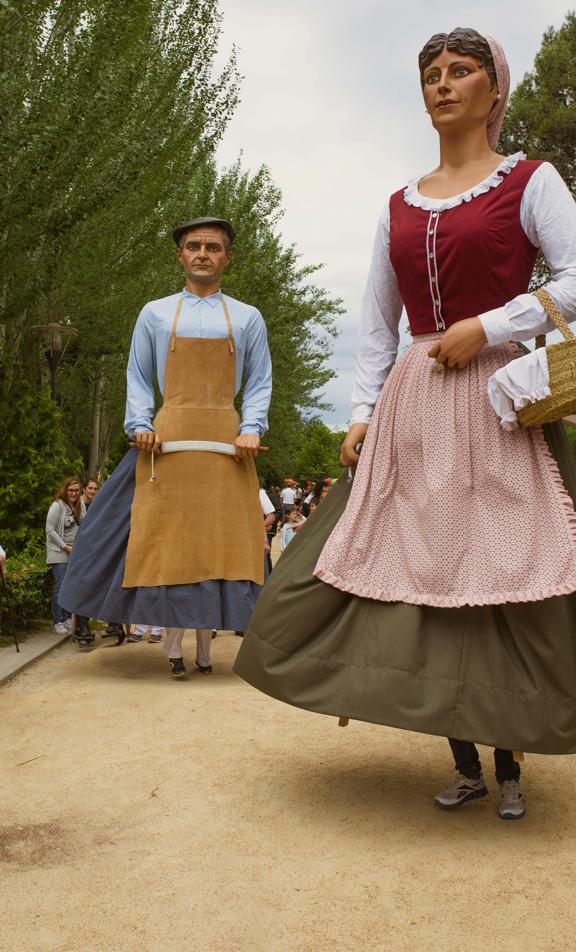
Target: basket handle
555 315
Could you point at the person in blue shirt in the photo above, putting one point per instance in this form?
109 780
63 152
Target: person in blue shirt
158 547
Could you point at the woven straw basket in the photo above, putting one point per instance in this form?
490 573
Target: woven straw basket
562 370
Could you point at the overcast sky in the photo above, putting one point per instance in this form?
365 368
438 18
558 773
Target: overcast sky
331 104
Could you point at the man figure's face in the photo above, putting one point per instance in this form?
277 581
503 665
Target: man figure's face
204 253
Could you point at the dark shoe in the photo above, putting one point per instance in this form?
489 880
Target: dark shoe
239 633
114 629
84 638
204 668
177 669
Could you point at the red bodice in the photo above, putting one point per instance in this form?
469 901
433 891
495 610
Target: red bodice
465 260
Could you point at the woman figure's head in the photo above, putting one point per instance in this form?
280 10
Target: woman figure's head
465 83
69 492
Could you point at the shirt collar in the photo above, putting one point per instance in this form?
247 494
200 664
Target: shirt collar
193 299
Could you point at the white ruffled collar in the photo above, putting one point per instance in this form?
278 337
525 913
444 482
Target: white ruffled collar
413 197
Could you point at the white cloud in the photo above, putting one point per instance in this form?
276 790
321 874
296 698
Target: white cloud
331 103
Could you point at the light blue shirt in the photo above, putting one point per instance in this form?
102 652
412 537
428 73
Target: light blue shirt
199 317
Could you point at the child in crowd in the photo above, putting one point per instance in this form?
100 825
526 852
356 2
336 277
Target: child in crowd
295 520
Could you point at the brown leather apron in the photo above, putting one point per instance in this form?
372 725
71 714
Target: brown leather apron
200 518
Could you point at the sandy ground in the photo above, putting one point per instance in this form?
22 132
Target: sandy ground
139 813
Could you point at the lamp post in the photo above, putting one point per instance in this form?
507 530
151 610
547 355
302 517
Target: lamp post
58 336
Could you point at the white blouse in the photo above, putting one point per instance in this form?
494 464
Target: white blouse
548 217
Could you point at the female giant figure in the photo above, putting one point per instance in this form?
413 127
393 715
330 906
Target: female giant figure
435 591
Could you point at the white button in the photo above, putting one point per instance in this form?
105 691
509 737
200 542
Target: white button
430 256
433 280
434 214
438 303
430 233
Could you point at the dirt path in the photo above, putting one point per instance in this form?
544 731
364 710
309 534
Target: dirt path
143 814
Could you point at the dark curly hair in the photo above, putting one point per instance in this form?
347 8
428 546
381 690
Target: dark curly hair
461 40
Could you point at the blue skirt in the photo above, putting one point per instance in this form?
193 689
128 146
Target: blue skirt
93 582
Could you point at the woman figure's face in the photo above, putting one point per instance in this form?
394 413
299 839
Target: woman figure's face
457 93
73 492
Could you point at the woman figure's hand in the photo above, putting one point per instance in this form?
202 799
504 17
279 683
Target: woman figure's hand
460 344
356 434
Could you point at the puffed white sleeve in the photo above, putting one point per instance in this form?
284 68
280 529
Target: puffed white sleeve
548 217
379 327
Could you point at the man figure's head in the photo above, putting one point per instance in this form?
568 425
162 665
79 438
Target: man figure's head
204 251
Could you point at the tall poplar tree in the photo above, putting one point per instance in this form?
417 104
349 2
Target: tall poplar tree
112 111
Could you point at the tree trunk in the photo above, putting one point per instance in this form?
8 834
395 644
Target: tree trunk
94 450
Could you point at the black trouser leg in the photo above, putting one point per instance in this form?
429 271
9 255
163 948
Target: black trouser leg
466 758
468 762
506 767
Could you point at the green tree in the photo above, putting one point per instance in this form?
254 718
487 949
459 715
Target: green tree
113 111
32 465
114 114
541 117
319 453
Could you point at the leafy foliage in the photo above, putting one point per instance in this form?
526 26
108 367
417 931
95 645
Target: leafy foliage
29 583
541 117
319 454
113 112
32 465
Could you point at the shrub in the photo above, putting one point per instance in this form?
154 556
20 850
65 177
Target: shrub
29 582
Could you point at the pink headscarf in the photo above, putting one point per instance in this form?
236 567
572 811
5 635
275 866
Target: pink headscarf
503 82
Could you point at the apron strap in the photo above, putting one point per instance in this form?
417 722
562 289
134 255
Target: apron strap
229 322
174 323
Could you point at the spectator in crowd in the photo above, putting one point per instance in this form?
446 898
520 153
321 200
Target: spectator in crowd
138 632
269 514
295 520
91 487
62 524
275 498
313 497
287 496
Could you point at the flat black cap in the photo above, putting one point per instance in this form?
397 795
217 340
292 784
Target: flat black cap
199 223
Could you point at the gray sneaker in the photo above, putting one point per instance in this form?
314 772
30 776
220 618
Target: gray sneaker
60 628
460 791
511 806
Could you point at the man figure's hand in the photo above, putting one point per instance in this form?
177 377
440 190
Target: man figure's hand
147 441
247 445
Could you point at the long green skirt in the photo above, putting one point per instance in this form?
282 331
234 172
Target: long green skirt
503 675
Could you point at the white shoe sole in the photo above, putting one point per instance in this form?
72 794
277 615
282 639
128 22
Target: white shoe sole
473 795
